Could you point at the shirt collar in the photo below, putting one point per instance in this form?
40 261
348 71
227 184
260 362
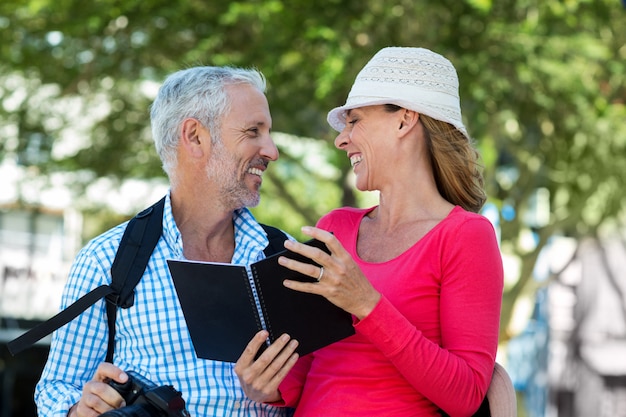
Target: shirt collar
250 238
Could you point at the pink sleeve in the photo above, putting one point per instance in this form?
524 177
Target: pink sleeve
291 387
456 375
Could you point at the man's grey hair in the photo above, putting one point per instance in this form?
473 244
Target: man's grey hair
199 93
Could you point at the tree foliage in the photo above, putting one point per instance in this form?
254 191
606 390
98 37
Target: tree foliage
542 87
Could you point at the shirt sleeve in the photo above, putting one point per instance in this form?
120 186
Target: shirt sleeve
77 348
291 387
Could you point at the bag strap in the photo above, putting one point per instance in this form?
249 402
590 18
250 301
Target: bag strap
138 242
40 331
131 259
277 240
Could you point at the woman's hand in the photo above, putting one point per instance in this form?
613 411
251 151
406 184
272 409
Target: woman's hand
260 379
340 281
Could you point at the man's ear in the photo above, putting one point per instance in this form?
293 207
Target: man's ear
193 136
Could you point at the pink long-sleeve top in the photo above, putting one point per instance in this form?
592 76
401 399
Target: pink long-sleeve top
431 341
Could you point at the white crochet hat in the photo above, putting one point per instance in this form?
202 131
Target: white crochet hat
414 78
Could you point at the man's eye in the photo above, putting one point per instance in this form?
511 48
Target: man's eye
353 121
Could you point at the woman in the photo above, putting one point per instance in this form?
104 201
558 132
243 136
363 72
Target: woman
421 272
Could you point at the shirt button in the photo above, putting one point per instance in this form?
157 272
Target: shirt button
237 405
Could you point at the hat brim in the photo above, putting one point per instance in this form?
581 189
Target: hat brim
337 117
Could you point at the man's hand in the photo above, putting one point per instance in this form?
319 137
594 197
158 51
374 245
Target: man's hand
98 396
260 379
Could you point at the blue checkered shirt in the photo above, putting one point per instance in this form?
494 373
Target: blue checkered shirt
151 337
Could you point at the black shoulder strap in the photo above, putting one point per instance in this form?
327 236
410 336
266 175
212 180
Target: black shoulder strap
118 291
138 242
40 331
277 239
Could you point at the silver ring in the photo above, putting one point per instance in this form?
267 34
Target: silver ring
321 273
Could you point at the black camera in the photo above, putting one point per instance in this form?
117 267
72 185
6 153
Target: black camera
145 399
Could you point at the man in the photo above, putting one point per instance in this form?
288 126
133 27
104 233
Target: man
211 128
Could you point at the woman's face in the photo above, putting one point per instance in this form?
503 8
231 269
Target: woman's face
367 139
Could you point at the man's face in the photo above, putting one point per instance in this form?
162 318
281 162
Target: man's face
244 148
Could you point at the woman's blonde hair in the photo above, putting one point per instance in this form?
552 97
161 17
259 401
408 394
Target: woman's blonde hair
456 164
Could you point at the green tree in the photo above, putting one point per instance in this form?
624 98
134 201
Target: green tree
542 87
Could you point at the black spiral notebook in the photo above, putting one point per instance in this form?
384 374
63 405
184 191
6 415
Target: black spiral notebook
222 316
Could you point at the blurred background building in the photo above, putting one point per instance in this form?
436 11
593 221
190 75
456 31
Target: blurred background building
41 231
570 360
37 245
